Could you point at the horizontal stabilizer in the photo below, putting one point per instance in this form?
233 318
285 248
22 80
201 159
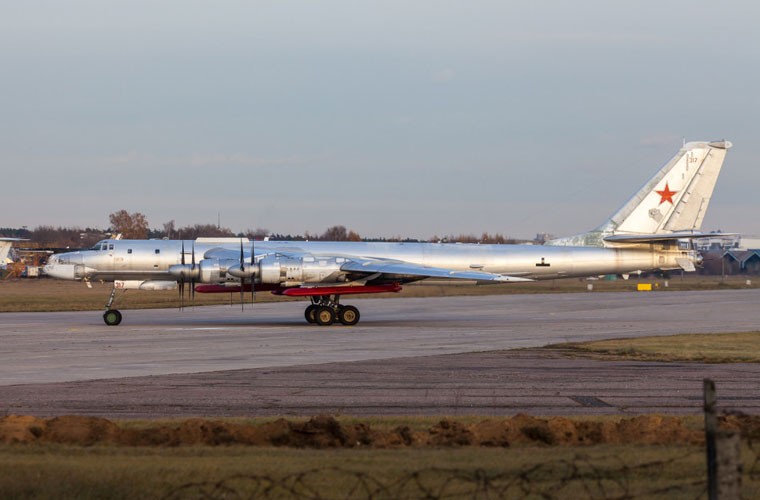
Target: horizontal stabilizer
687 265
658 238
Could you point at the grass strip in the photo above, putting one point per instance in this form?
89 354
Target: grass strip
241 472
743 347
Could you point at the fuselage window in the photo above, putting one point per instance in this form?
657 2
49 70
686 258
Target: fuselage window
110 247
158 250
129 250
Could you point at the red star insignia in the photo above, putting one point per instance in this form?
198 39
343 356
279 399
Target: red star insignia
666 194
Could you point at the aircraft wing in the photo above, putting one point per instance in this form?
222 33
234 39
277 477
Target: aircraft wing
400 268
386 267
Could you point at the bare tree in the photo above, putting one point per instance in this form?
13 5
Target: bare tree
132 226
169 228
339 233
64 237
207 230
256 234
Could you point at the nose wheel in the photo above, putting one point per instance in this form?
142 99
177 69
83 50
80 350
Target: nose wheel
325 311
112 317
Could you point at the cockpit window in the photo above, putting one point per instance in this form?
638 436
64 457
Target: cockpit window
104 246
110 246
97 246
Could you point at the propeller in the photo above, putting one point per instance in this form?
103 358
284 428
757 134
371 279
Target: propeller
242 273
242 269
183 272
253 275
192 277
181 281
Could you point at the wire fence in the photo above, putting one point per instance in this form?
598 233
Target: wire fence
592 476
575 478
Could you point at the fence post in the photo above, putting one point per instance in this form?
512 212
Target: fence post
724 467
711 427
729 465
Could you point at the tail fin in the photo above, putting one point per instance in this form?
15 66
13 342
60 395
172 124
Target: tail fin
673 202
5 248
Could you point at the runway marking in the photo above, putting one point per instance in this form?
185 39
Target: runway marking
590 402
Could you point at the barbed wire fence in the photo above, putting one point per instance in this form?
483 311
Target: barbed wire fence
582 476
575 478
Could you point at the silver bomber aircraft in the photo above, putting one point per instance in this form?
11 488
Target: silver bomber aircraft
653 231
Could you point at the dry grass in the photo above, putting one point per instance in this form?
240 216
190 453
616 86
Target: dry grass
108 472
50 470
53 295
704 348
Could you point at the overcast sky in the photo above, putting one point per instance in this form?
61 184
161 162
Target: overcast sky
392 118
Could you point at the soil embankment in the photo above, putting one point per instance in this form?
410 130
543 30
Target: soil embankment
327 432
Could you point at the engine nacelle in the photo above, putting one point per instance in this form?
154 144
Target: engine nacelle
280 269
206 271
210 271
215 270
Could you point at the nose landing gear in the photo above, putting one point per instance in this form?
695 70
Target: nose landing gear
112 317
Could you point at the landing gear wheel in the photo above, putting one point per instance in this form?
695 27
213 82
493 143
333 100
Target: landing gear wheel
348 315
311 313
325 316
112 317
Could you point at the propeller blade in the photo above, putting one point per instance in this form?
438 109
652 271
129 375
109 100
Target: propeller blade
181 280
242 280
253 276
192 278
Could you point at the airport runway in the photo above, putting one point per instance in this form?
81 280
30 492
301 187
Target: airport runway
410 356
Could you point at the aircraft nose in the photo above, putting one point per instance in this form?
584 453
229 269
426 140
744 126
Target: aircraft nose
64 266
66 258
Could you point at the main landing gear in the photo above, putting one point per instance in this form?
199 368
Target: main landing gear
325 310
112 317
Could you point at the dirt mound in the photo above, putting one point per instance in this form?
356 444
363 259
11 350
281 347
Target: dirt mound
20 429
324 431
748 425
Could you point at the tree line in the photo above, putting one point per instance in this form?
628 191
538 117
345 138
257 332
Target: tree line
135 226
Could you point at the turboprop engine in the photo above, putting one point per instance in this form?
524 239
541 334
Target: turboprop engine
280 269
206 271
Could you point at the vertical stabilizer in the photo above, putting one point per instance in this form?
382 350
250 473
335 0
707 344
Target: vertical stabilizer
5 248
675 200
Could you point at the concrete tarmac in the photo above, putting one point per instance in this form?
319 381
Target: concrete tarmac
54 363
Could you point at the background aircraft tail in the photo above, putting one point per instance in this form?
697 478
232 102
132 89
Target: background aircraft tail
671 205
5 249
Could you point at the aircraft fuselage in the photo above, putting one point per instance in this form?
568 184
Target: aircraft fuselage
151 259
